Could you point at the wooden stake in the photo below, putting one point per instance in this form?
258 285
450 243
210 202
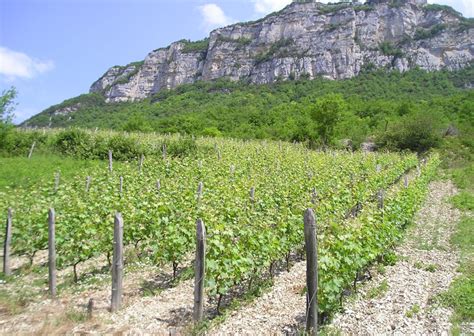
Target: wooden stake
52 252
158 185
314 196
110 161
57 176
252 195
117 264
200 271
6 245
311 244
88 183
140 165
380 198
90 308
31 149
405 182
199 191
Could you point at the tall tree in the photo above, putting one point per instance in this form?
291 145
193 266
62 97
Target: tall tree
7 105
327 113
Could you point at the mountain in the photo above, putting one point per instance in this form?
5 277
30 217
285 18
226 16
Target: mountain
305 39
395 51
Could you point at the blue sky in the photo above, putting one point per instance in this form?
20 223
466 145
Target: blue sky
51 50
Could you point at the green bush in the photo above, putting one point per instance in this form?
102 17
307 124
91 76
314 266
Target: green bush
417 131
181 147
388 49
74 142
124 148
17 143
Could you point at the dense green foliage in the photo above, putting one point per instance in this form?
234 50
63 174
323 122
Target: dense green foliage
376 101
195 46
81 144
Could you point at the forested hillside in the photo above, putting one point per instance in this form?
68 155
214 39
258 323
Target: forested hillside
375 104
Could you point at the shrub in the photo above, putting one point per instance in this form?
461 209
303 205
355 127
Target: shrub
137 123
181 147
417 132
124 148
195 46
211 131
15 142
75 143
388 49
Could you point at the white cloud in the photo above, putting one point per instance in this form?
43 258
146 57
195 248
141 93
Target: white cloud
14 64
268 6
464 6
213 16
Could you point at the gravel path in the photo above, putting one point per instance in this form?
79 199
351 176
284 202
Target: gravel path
275 312
400 302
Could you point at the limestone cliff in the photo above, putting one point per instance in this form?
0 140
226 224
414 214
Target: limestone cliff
307 39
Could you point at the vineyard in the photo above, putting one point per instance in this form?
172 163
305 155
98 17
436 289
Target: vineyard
251 197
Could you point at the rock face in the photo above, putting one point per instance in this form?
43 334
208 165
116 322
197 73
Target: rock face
305 39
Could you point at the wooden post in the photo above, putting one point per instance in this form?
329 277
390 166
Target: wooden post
199 191
52 252
405 181
252 195
200 271
56 181
117 264
158 185
88 183
380 198
90 308
31 149
218 154
140 165
6 245
311 244
110 161
314 196
121 186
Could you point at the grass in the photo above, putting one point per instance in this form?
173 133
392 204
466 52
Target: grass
378 291
414 310
463 201
426 267
460 295
21 172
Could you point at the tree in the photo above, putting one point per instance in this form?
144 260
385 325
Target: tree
418 131
7 105
137 123
327 113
